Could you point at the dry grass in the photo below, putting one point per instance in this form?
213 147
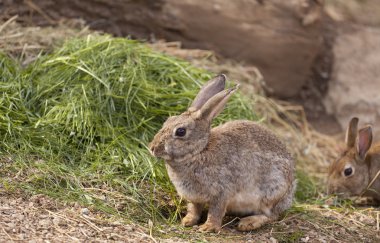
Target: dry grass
26 43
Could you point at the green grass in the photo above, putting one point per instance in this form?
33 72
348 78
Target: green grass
306 187
76 124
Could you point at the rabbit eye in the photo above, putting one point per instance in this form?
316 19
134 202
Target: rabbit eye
180 132
348 172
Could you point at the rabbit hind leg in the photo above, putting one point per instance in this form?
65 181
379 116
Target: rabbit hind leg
254 222
272 212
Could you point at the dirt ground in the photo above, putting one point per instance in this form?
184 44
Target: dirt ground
38 218
41 219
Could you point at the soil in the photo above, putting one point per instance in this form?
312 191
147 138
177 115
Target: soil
38 218
41 219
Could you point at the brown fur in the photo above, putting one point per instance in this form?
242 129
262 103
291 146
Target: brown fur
365 168
238 168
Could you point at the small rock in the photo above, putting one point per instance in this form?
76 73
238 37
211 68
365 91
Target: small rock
11 225
44 222
144 238
21 217
306 239
129 228
85 211
273 240
57 221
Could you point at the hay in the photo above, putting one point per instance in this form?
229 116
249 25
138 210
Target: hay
25 43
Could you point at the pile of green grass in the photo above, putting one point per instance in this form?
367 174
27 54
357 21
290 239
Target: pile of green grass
76 124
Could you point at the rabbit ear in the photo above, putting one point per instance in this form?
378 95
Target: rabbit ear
209 89
351 133
364 141
216 104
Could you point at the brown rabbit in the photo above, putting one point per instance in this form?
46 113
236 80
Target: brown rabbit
357 167
238 168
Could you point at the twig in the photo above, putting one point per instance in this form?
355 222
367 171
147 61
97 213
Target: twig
63 217
289 218
326 233
356 221
143 234
2 27
8 235
17 35
35 7
91 224
150 224
25 48
116 194
83 232
369 185
65 233
230 222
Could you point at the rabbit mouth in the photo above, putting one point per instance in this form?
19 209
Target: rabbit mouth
342 193
156 153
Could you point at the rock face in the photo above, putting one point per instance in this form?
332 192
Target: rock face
269 35
281 38
354 89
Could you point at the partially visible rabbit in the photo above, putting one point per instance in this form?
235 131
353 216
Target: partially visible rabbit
358 166
237 168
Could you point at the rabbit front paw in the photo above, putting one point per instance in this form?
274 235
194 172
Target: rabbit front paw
194 211
210 227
